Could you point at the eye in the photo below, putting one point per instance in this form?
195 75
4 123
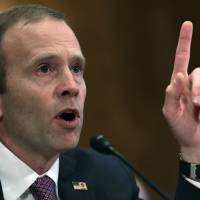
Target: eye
77 69
44 69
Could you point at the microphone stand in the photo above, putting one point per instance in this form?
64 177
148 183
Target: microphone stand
102 145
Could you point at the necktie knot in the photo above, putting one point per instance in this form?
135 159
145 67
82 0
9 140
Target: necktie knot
43 189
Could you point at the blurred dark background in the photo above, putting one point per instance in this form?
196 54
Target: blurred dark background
129 46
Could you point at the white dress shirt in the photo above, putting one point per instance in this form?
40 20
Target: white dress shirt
16 176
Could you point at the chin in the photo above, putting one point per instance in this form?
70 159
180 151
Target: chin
70 142
65 141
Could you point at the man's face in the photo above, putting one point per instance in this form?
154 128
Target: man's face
42 109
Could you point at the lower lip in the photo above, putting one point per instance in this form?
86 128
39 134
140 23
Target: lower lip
68 124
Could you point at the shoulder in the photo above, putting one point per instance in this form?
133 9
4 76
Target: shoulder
105 172
95 161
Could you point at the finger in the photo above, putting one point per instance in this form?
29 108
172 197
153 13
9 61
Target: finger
194 80
183 49
174 93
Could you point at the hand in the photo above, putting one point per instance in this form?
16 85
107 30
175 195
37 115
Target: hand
182 101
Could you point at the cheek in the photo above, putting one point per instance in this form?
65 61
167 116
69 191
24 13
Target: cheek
20 106
25 100
25 113
84 91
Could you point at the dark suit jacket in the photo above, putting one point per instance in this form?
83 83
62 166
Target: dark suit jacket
106 179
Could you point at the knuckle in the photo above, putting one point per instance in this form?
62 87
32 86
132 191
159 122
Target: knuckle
165 112
194 80
182 55
168 90
182 52
196 71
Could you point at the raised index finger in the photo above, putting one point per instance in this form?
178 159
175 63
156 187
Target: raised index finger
182 56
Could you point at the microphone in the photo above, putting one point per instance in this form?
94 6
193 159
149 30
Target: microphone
102 145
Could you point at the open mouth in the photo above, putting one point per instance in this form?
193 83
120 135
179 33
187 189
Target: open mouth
68 118
68 115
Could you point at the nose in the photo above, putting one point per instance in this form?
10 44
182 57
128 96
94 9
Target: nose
67 85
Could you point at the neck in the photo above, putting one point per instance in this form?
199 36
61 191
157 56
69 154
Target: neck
39 161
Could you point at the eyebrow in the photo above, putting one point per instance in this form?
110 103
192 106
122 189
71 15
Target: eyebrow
48 56
79 58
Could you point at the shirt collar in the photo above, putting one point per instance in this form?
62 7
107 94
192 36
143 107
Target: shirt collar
17 176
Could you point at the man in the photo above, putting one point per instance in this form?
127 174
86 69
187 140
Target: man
41 111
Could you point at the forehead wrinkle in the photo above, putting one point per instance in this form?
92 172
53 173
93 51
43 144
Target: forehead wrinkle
52 56
52 43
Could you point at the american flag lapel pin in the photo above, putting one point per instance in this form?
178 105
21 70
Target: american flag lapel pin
79 185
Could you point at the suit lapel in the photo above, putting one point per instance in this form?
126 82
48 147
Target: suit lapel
71 183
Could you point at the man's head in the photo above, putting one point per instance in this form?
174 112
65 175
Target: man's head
22 13
44 91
